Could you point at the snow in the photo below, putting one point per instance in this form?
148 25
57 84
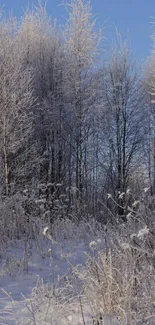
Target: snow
41 287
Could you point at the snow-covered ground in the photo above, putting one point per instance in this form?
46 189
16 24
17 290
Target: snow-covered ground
39 283
76 274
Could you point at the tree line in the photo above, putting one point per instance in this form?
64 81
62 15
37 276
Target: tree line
74 125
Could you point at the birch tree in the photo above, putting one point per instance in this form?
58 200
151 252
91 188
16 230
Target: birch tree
82 49
44 55
16 99
123 121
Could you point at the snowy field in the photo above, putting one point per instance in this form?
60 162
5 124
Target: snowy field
78 274
40 281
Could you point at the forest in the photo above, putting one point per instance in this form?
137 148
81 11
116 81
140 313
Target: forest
74 126
77 172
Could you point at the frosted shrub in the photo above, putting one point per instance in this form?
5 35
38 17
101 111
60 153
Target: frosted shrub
120 285
12 266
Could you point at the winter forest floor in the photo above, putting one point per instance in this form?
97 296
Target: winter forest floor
78 274
40 282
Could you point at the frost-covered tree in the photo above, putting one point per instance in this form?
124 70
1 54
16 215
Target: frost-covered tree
149 84
81 45
123 122
45 56
67 126
16 100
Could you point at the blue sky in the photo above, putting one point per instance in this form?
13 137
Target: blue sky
133 19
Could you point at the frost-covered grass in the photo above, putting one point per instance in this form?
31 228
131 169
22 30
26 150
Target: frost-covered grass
80 273
39 278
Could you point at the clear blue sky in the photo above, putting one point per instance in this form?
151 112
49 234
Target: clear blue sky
133 18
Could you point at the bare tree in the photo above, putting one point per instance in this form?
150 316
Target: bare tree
149 84
123 106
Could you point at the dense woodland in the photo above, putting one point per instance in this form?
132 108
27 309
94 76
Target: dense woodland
77 130
77 173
